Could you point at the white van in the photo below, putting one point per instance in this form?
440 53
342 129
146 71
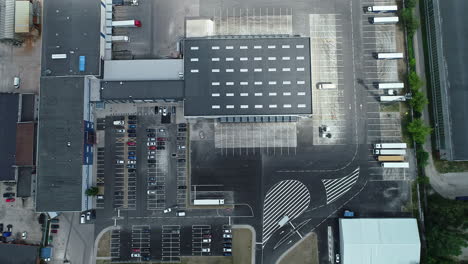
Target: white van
16 82
324 85
83 219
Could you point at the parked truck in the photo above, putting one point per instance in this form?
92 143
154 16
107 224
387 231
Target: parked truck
390 158
388 55
383 20
326 85
390 152
208 202
120 39
390 146
382 9
381 86
392 98
127 23
395 164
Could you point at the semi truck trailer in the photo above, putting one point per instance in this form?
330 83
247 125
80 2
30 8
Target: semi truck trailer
382 9
389 151
395 164
390 85
390 158
383 20
390 146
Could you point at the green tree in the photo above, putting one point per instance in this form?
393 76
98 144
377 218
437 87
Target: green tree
419 101
422 156
414 81
92 191
419 131
410 3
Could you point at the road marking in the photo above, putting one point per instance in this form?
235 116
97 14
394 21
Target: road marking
335 188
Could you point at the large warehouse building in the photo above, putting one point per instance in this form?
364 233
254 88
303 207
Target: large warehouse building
379 241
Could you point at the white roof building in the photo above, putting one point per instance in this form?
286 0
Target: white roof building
379 241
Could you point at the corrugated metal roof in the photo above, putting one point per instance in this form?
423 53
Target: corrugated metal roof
7 19
143 70
23 16
383 241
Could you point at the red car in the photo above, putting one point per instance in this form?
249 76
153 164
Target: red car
131 143
10 200
136 250
152 147
161 139
54 231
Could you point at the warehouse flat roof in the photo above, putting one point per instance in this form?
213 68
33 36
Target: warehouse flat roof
9 116
389 241
142 90
71 28
60 144
247 76
143 70
25 144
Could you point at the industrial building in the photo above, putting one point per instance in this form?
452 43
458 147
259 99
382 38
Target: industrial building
383 241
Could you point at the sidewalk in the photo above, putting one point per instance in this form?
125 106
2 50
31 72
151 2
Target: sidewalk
449 185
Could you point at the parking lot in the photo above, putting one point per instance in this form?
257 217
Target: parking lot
201 240
170 243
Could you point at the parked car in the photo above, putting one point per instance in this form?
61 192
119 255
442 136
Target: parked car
131 166
182 125
152 166
132 117
152 147
206 249
161 139
55 231
119 162
131 143
131 153
8 195
206 236
132 162
131 130
180 138
151 135
160 147
151 144
24 235
164 111
88 215
151 139
156 109
227 235
206 240
162 130
167 210
173 108
82 219
151 157
227 245
131 157
161 143
183 129
227 231
181 147
131 170
181 160
54 220
150 130
182 187
227 249
228 240
135 255
132 126
10 200
227 254
151 152
120 130
54 226
132 135
151 178
132 122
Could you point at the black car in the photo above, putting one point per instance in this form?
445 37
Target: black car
150 130
151 135
156 109
55 226
227 245
182 125
93 214
183 129
131 130
132 122
182 187
227 254
132 135
181 160
180 138
151 161
173 109
160 147
132 117
160 143
228 240
8 195
131 166
131 170
152 166
151 178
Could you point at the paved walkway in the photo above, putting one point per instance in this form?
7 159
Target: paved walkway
448 185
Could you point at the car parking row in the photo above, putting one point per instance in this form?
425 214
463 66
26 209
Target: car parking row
100 177
181 168
170 243
115 244
140 246
157 168
201 240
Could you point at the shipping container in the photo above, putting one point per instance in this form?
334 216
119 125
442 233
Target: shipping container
395 164
390 85
390 158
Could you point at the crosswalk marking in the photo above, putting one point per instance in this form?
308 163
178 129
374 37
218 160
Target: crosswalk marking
335 188
286 198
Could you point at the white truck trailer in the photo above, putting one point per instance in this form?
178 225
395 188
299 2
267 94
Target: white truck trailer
127 23
384 20
390 146
382 9
208 202
395 164
381 86
392 98
390 152
120 39
388 55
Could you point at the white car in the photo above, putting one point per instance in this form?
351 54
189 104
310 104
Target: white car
205 249
151 139
119 122
164 113
120 130
151 157
151 152
132 162
206 240
88 216
83 219
24 235
135 255
227 236
337 258
151 144
151 191
227 249
167 210
119 162
227 231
